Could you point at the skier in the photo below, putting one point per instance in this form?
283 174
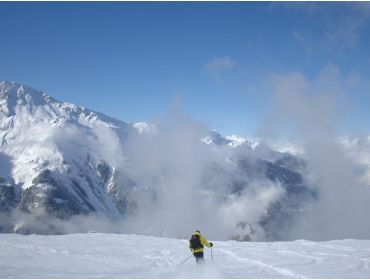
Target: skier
196 245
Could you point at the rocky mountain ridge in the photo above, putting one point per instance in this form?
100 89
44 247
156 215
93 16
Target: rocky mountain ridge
60 160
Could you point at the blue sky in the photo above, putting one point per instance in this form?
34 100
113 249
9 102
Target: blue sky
133 60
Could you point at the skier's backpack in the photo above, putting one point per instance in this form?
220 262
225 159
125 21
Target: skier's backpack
195 242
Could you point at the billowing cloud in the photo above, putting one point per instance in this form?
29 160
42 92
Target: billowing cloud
309 110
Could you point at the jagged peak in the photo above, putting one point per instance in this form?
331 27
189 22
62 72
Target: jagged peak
8 84
23 94
143 127
13 94
216 138
14 87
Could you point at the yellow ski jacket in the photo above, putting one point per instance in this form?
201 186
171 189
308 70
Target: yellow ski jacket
203 241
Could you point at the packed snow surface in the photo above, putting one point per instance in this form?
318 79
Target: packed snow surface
97 255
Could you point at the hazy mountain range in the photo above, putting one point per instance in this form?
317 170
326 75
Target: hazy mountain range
65 168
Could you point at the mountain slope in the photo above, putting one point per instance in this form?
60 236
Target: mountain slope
135 256
56 153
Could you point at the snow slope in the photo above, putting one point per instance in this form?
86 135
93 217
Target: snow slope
98 255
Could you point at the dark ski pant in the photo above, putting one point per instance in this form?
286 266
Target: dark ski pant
199 257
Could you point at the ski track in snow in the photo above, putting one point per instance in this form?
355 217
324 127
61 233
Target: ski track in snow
134 256
285 273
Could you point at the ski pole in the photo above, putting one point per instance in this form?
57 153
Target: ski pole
211 254
186 259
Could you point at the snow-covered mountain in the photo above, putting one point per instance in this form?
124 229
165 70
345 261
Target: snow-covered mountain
60 162
52 156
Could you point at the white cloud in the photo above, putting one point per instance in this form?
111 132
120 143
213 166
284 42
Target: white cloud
311 109
219 64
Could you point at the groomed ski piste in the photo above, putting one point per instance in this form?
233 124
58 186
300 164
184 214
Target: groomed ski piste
98 255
